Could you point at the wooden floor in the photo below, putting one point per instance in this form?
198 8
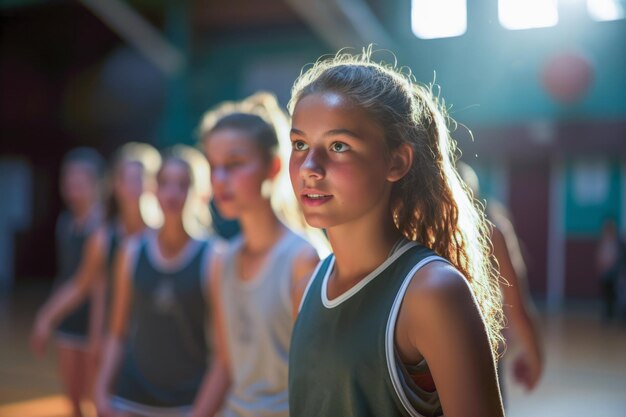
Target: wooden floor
585 367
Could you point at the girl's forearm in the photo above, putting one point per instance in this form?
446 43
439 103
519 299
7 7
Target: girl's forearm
62 302
213 391
111 356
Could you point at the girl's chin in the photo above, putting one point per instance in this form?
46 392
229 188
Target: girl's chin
228 213
230 216
172 209
172 214
317 222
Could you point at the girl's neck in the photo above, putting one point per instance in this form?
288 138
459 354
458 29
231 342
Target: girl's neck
172 237
131 219
82 213
260 229
350 241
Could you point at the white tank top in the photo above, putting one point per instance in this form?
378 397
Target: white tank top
258 324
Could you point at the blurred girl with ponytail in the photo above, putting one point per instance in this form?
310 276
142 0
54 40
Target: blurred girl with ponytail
256 275
404 318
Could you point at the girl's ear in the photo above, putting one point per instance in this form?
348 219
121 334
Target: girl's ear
274 168
401 161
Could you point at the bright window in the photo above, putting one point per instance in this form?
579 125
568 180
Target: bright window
606 9
527 14
432 19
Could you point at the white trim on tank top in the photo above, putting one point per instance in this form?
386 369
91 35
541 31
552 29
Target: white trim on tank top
308 285
135 408
172 265
328 303
390 335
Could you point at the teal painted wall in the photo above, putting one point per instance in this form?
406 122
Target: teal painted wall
491 75
593 191
218 69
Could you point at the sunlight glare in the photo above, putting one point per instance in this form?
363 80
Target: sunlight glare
527 14
432 19
604 10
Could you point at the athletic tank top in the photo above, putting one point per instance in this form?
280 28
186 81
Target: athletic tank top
343 358
70 240
166 351
258 323
115 237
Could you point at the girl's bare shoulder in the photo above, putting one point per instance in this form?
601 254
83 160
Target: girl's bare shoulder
438 292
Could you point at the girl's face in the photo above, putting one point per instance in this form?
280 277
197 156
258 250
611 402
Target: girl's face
78 186
128 183
173 182
338 167
238 169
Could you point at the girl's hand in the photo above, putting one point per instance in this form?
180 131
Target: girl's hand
102 402
40 336
527 370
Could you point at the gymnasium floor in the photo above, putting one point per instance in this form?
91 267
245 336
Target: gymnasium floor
585 367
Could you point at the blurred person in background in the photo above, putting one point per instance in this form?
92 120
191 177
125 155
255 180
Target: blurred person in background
255 276
156 352
81 172
611 265
404 318
519 309
132 177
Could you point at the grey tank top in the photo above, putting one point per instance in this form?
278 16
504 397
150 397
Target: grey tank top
258 323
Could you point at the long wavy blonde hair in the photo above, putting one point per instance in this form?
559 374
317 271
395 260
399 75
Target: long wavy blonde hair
431 205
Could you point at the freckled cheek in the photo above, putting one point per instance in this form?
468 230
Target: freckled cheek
294 170
246 182
352 182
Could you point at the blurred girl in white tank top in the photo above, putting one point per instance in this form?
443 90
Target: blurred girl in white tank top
255 275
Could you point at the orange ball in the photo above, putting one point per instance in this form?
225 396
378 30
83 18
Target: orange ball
567 77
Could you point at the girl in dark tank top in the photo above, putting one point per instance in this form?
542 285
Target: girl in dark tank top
80 189
404 319
131 179
155 351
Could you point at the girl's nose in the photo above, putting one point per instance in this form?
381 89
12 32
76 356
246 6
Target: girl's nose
313 165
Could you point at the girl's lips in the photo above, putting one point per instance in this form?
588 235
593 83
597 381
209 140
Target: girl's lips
223 198
314 199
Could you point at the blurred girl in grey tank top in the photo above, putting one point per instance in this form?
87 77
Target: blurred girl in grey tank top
156 351
253 278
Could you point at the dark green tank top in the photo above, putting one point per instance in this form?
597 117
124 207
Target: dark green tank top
343 360
71 240
166 351
115 237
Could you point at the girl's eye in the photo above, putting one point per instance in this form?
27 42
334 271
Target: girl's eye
339 147
298 145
